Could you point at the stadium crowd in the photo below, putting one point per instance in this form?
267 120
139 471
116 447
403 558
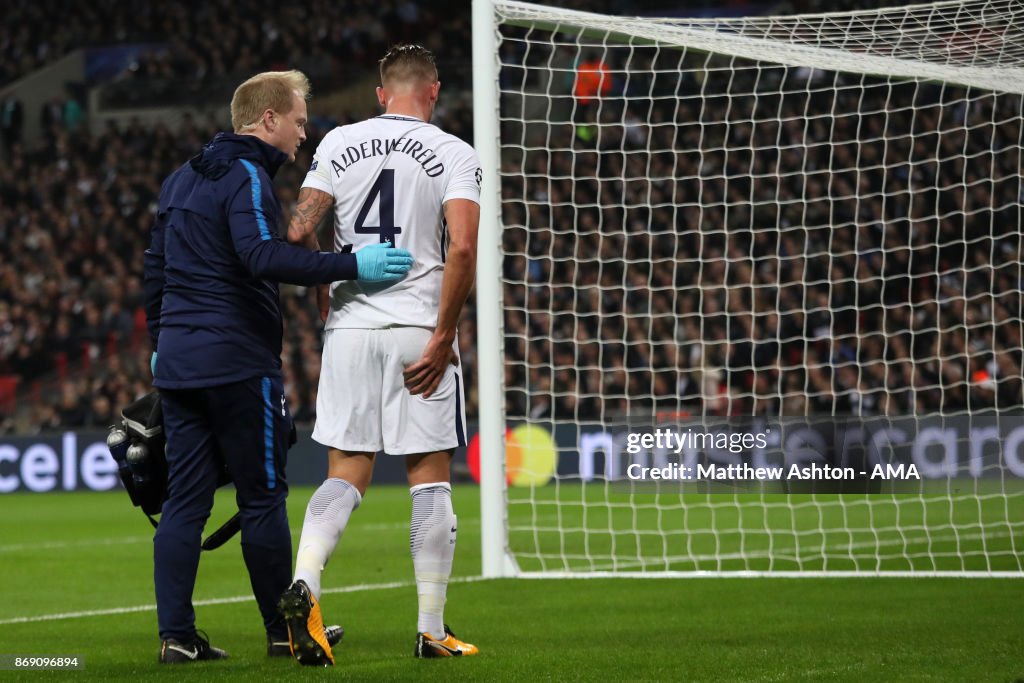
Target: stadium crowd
195 41
658 257
75 218
825 251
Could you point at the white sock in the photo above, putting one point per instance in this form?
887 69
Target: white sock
326 517
432 542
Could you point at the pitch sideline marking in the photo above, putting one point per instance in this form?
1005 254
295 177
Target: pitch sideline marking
81 543
216 601
128 540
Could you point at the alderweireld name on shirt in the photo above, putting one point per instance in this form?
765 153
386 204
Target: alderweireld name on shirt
376 147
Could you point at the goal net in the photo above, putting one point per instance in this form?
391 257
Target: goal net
799 234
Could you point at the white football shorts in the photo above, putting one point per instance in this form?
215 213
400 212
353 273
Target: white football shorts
362 403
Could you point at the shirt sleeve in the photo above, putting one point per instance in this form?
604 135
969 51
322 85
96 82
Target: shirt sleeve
252 219
318 176
465 176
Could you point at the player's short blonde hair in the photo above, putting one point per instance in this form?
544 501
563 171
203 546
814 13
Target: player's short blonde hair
267 90
408 64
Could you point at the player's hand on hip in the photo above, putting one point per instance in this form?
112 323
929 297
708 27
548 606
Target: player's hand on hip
323 301
382 263
424 376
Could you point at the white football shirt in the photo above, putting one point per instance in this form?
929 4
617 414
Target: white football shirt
390 177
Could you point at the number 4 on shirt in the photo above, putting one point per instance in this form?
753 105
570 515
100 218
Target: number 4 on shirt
384 187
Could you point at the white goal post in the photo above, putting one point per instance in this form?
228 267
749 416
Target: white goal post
805 230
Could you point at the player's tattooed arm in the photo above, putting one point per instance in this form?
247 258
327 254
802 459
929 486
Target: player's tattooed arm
310 210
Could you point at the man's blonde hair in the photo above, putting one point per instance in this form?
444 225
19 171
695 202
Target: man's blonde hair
268 90
407 64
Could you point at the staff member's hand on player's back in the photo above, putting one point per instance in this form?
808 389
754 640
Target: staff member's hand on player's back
376 263
383 263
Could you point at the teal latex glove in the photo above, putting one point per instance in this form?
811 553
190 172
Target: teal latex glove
382 263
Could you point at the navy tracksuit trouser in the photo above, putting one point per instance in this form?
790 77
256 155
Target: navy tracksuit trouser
245 426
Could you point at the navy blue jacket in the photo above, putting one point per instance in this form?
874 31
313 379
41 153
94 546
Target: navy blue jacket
211 272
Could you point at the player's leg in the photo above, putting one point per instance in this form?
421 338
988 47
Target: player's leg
348 422
432 536
328 512
327 515
428 434
253 430
192 480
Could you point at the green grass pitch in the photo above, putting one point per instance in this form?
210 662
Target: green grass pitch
62 555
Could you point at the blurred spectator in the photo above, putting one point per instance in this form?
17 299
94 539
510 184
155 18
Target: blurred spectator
100 413
12 118
71 410
73 113
593 80
51 115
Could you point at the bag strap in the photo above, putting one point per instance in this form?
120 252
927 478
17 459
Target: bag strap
225 532
219 537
